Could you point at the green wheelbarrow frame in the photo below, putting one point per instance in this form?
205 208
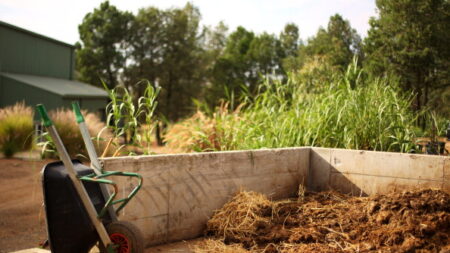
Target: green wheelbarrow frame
111 202
99 176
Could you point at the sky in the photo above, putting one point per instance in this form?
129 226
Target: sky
59 19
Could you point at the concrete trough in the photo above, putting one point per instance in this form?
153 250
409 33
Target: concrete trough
181 191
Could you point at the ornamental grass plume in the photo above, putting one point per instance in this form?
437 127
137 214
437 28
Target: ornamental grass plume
16 129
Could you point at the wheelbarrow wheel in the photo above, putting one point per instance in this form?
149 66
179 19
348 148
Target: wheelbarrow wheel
126 236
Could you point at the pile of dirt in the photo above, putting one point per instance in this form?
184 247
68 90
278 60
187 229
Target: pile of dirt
411 221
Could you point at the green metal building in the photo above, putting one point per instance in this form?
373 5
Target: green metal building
37 69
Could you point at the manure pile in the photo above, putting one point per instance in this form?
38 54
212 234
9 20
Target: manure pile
412 221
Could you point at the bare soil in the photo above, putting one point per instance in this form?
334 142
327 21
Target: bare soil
22 217
414 221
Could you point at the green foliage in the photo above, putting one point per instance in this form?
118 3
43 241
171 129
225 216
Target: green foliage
290 42
351 111
407 44
132 121
165 49
100 55
16 129
246 59
338 43
410 38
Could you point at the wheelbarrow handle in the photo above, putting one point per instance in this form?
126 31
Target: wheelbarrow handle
77 111
47 122
62 152
95 163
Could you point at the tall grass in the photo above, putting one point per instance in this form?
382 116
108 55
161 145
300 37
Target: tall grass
16 129
68 129
349 110
205 131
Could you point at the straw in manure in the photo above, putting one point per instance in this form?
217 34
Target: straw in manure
241 218
217 246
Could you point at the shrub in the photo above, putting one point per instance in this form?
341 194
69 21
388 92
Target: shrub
201 132
68 130
16 129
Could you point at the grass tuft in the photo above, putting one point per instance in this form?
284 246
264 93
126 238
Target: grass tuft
65 122
16 129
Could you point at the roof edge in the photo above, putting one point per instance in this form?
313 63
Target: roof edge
64 96
20 29
84 97
5 75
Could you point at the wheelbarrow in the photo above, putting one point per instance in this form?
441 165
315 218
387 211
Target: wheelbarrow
80 209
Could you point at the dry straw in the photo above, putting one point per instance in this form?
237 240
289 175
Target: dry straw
217 246
240 218
203 132
332 222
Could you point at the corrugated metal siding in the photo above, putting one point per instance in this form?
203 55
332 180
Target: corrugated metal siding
23 53
2 93
92 105
96 105
14 91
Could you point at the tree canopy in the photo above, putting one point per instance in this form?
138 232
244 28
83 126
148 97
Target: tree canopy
101 53
170 48
410 39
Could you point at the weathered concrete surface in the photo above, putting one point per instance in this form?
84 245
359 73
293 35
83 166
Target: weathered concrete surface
34 250
181 192
367 172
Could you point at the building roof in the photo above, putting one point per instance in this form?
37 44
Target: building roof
63 87
35 34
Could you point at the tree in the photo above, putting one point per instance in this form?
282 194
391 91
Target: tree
145 47
410 39
266 53
338 43
165 48
101 52
231 70
290 42
181 76
290 39
246 60
214 42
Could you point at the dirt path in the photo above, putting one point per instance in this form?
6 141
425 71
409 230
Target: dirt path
22 222
22 217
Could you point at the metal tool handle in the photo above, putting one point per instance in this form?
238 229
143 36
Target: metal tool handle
87 138
79 187
95 163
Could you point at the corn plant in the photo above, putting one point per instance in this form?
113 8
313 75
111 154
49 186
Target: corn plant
132 119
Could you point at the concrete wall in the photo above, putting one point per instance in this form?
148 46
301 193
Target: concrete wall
181 192
368 172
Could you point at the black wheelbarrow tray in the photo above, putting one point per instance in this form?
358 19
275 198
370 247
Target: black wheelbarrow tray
78 213
69 226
